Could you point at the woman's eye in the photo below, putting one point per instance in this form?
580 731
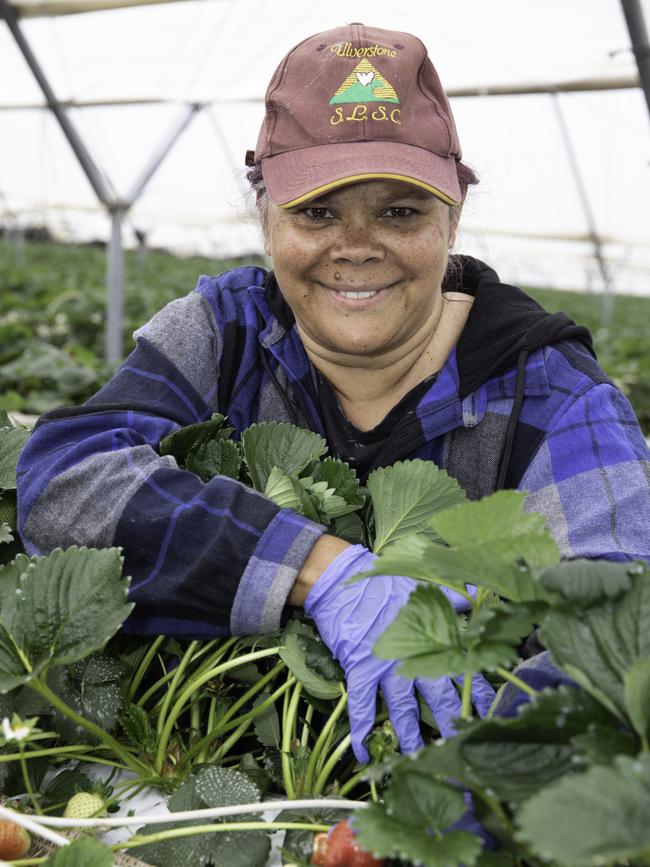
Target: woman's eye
318 213
399 212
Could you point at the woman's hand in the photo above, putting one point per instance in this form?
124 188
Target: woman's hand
350 618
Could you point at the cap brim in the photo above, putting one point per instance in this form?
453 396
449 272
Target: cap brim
297 176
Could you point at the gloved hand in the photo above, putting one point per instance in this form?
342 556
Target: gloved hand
350 618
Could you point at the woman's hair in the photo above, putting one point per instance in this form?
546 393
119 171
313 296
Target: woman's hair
466 178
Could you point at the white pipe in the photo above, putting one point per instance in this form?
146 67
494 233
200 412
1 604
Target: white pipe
31 823
208 813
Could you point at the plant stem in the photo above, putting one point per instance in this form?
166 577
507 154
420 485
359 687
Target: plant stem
216 828
108 740
28 783
351 783
178 674
254 689
230 742
194 684
309 713
37 754
329 765
313 763
221 729
139 673
466 697
288 732
517 681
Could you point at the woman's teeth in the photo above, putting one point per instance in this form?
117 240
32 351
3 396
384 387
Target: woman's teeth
358 295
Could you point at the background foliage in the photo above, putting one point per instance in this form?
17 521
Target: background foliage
52 321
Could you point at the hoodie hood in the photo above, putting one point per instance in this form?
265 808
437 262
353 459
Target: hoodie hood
503 323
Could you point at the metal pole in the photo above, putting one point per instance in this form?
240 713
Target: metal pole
114 288
608 288
95 177
162 151
633 13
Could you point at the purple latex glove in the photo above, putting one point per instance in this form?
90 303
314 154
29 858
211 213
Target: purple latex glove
350 618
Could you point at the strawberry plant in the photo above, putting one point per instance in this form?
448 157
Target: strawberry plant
562 778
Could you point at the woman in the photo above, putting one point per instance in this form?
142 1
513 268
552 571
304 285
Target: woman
365 332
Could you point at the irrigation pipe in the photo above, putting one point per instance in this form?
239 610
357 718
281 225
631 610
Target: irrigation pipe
37 823
31 824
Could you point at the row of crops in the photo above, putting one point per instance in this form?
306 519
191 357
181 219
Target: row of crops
52 321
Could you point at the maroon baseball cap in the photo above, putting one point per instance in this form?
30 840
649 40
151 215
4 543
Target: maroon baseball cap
352 104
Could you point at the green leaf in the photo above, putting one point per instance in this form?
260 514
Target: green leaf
91 686
515 757
341 478
405 496
138 729
281 488
591 819
585 582
349 527
12 440
596 646
267 724
210 786
180 443
311 662
412 556
601 744
63 607
5 421
278 444
5 533
416 799
636 684
217 457
425 636
494 543
81 853
387 837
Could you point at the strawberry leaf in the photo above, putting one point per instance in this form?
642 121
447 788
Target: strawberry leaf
599 817
81 853
405 495
62 608
278 444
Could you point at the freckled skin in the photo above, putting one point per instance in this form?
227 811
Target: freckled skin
384 235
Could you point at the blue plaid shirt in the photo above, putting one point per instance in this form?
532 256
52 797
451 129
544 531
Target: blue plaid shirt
218 558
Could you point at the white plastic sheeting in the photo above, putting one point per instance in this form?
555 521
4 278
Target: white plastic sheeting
139 67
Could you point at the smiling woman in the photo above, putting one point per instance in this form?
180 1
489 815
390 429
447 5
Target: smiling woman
367 331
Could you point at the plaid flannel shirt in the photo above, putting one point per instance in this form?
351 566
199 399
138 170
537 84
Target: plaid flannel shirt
218 558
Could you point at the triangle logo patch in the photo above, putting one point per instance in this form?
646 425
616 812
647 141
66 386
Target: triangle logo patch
364 84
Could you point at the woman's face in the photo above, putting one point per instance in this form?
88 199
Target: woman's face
361 267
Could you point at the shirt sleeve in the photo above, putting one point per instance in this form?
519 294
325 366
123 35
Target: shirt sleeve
590 479
205 559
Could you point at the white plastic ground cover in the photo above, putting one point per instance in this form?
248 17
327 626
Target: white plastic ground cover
526 217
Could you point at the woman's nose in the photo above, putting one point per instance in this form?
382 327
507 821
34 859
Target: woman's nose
357 245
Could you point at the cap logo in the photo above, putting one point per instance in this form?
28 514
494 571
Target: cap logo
364 84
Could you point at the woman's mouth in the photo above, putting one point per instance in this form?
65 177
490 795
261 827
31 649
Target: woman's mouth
359 295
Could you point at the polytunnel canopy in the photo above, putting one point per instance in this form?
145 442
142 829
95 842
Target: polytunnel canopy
545 93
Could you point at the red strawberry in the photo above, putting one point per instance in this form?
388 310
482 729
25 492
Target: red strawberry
14 840
338 848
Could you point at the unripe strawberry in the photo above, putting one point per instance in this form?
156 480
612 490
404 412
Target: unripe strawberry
85 805
14 840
